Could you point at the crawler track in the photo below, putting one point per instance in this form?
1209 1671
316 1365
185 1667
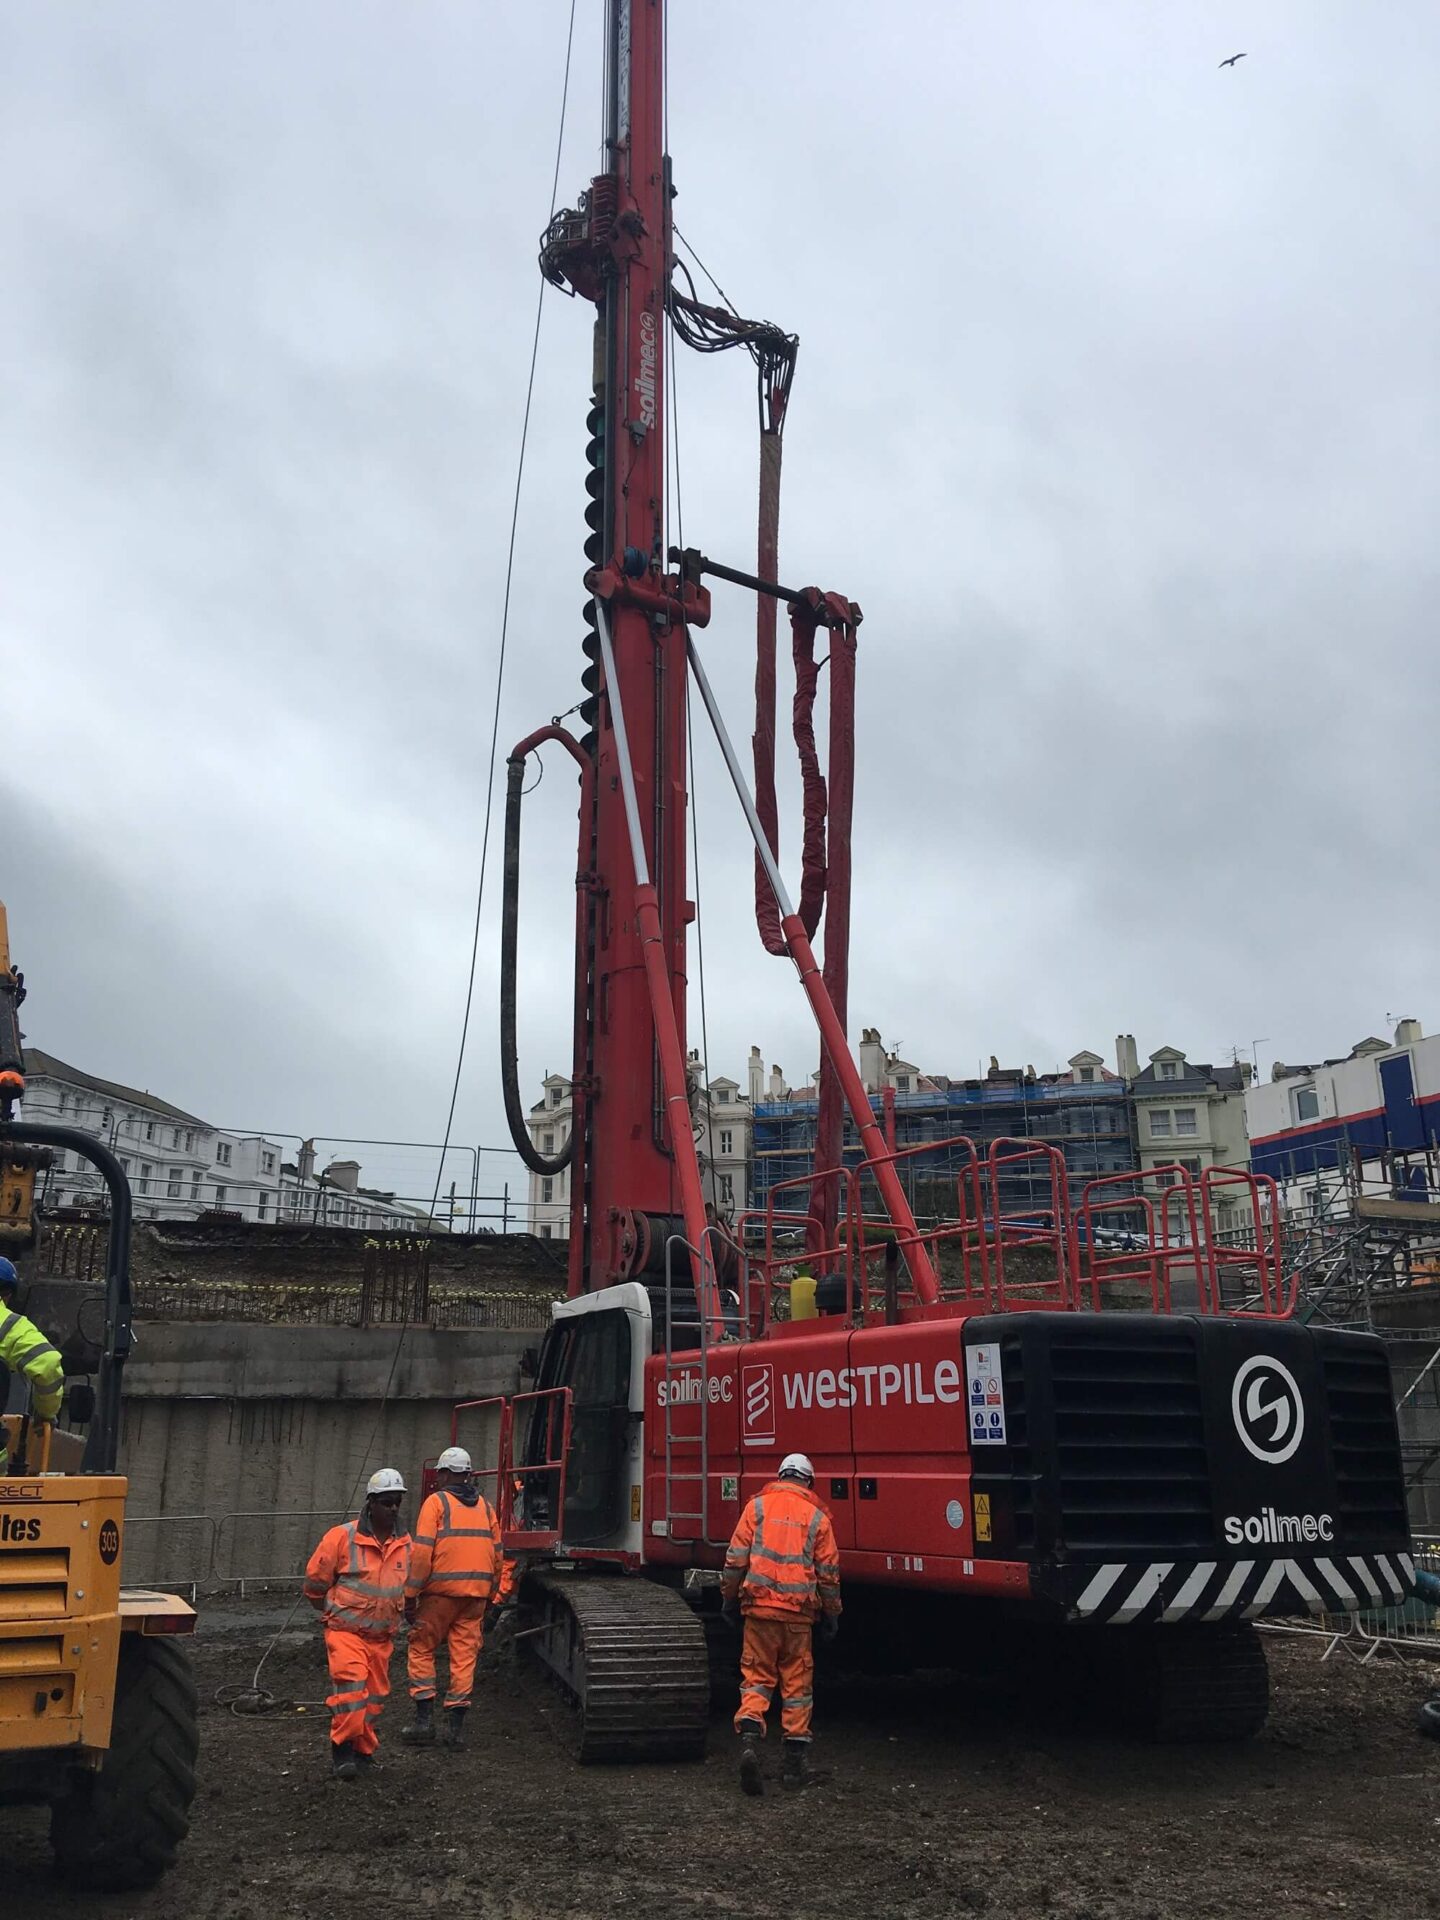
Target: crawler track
631 1658
1182 1684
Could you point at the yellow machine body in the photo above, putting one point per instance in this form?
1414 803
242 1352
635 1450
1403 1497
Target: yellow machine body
62 1610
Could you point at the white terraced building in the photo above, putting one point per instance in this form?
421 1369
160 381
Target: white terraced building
180 1166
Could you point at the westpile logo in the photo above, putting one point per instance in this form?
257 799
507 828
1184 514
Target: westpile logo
1267 1408
757 1392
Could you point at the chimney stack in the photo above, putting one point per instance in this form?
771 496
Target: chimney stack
1127 1058
1407 1032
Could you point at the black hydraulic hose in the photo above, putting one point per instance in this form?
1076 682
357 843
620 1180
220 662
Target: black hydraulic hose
509 944
102 1444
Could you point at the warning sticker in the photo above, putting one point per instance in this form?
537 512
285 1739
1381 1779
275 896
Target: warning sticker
982 1516
985 1396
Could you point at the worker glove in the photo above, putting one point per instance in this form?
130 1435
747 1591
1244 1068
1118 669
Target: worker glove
730 1610
829 1628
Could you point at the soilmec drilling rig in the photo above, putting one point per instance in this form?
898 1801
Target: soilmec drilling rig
1014 1457
98 1713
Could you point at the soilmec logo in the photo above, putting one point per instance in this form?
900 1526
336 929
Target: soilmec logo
645 379
109 1542
1268 1411
684 1390
16 1529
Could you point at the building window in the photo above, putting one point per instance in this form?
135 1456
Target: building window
149 1128
1192 1167
145 1172
902 1083
727 1190
555 1093
1087 1076
1186 1121
545 1233
722 1096
189 1140
547 1189
1306 1104
194 1186
1169 1070
547 1143
220 1196
1160 1123
172 1185
727 1141
223 1153
64 1101
267 1162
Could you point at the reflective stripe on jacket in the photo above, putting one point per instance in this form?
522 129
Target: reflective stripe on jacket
358 1581
457 1549
783 1559
26 1351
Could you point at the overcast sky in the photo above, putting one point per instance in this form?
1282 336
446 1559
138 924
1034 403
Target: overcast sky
1116 410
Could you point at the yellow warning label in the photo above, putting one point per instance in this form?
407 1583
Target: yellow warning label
982 1516
634 1503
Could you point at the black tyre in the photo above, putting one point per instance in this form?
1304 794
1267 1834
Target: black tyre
122 1827
1427 1721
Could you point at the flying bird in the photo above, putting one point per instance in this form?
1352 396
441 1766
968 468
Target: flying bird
1233 58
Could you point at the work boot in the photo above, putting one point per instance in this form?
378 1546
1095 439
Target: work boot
344 1764
795 1767
368 1764
752 1779
421 1731
452 1734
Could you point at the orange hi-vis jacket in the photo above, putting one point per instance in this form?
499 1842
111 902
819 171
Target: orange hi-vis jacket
457 1549
358 1581
783 1560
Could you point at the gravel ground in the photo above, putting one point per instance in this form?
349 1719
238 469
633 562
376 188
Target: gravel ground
945 1800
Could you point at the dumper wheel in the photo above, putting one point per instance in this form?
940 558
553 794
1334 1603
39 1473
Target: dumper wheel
121 1827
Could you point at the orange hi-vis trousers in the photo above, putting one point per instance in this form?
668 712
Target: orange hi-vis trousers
459 1625
360 1686
777 1651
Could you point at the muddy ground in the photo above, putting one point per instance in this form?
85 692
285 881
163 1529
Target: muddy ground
945 1801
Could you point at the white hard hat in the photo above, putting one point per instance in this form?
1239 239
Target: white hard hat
796 1466
453 1460
387 1480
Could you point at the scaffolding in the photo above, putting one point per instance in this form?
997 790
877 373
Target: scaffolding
1091 1124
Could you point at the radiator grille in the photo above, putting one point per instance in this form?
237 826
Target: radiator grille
1364 1442
1130 1443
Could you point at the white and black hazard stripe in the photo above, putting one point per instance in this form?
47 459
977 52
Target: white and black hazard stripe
1125 1591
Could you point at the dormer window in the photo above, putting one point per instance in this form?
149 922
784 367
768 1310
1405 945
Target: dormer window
1169 1069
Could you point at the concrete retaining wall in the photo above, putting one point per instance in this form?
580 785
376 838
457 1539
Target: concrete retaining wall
228 1426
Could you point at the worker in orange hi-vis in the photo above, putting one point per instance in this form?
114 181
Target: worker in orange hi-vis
782 1572
356 1582
458 1575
